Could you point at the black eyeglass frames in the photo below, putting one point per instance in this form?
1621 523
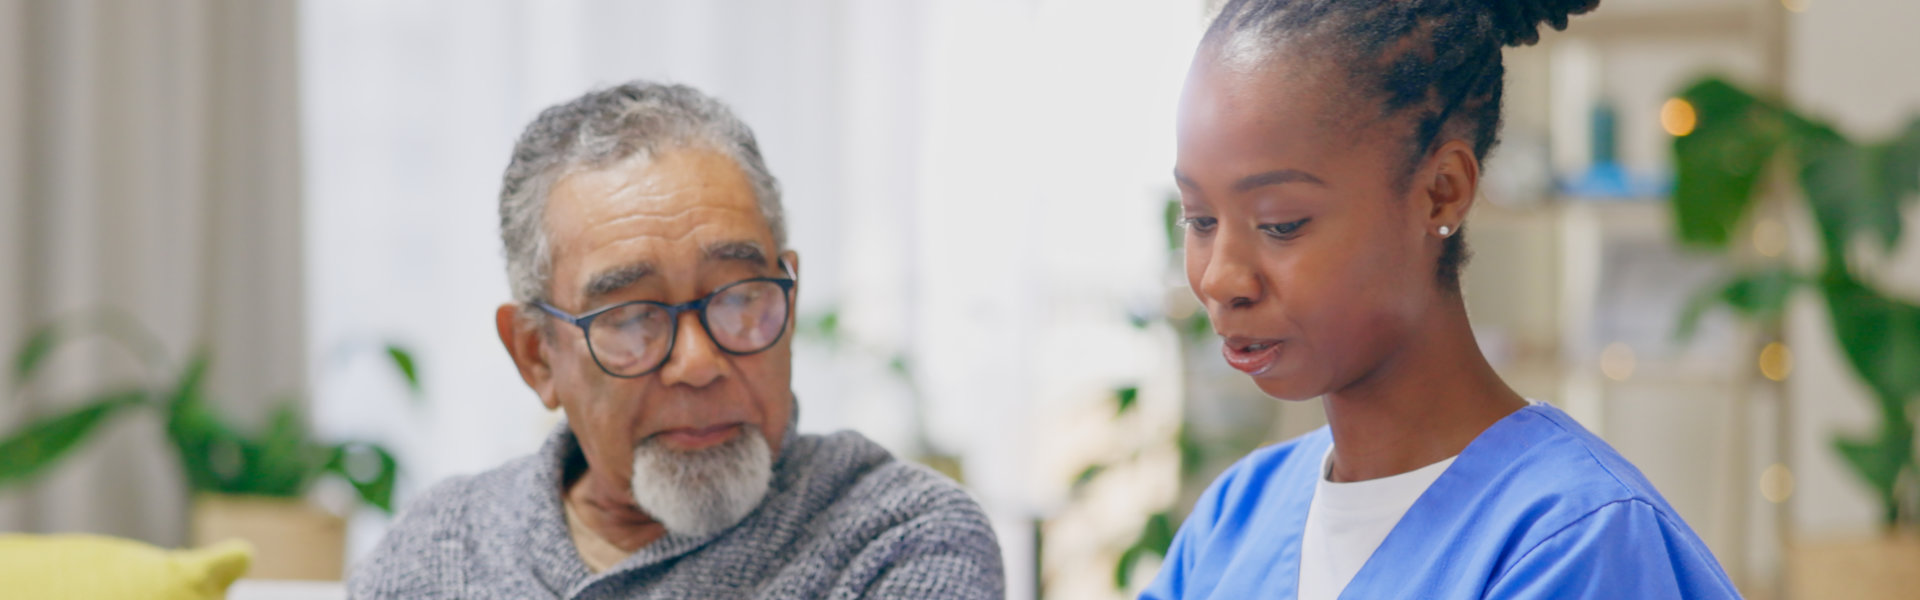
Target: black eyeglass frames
632 339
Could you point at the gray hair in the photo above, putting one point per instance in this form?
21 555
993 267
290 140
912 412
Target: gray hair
604 127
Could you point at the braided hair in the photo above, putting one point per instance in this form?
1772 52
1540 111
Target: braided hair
1436 62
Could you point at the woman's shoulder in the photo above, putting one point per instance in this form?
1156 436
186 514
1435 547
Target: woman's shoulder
1542 464
1569 497
1551 446
1310 446
1267 474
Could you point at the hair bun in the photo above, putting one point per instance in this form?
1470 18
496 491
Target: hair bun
1517 22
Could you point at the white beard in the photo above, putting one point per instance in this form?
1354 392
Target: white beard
705 491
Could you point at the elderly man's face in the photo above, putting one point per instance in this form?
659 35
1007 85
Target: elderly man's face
672 229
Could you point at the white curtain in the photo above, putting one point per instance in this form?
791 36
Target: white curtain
149 166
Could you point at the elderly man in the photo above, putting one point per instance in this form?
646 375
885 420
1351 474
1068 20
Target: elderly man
653 304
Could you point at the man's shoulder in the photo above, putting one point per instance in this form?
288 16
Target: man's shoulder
467 498
433 538
890 527
870 498
873 478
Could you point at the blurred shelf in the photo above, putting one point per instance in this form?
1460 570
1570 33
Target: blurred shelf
1556 284
1671 20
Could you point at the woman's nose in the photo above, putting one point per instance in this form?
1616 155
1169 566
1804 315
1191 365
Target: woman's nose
1229 279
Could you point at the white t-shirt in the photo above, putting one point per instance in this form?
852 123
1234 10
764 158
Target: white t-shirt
1347 521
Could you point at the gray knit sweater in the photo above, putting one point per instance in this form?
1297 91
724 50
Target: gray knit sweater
842 519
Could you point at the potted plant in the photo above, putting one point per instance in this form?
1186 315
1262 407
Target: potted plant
1855 193
1218 425
249 485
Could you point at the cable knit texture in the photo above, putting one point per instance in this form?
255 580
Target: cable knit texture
842 519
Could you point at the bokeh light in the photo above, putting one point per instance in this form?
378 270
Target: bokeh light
1776 362
1617 361
1776 483
1677 117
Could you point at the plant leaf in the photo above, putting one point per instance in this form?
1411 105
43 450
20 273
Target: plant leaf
1138 321
1847 189
403 360
370 468
1170 220
1123 569
1900 165
1156 535
284 460
829 324
1193 455
824 327
1086 476
188 387
41 444
1124 398
1197 327
1880 337
1718 163
1879 460
1760 295
36 349
211 453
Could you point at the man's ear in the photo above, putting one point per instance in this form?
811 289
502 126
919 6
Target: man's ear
792 261
1450 188
526 343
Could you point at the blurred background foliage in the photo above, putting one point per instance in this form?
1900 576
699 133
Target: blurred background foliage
1856 193
216 455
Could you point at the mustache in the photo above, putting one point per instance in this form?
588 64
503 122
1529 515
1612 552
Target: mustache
653 443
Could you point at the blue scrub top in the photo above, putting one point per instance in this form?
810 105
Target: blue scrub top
1535 507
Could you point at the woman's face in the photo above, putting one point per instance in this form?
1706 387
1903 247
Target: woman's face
1312 264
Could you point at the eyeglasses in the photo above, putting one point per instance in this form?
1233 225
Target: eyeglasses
632 339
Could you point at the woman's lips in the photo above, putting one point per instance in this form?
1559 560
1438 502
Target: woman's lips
1251 356
696 438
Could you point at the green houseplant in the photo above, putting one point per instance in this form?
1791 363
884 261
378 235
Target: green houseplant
824 328
216 456
1202 453
1855 193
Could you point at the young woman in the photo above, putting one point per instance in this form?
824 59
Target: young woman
1329 151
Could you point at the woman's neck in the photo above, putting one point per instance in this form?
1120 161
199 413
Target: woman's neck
1425 403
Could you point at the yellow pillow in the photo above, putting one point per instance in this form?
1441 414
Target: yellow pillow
63 567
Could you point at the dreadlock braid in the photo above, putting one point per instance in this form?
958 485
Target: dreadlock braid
1436 62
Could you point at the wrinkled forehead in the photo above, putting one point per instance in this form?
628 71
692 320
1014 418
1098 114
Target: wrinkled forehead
673 215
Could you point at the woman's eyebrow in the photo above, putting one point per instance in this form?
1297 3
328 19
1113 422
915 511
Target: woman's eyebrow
1276 177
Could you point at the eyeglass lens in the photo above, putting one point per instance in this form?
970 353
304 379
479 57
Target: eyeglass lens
743 318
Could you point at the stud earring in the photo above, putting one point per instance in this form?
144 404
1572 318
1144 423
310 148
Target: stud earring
1444 231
